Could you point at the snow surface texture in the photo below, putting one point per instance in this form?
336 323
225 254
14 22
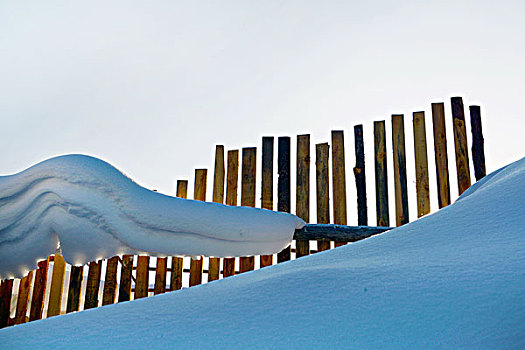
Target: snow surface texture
97 212
455 279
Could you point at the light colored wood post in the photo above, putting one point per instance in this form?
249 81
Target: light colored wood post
478 144
249 161
302 194
199 193
177 262
382 214
360 176
23 298
160 276
267 185
460 143
322 176
57 286
232 183
440 153
400 169
420 149
339 179
6 292
39 291
124 292
218 197
142 277
93 284
110 282
75 289
283 186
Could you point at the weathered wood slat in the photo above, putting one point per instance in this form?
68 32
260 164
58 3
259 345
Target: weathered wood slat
6 292
478 143
400 169
39 291
160 276
381 179
199 193
460 143
57 286
440 153
338 179
110 282
124 292
249 161
283 186
218 197
302 193
93 284
267 185
322 176
360 176
420 150
337 233
232 183
24 289
142 277
177 262
75 289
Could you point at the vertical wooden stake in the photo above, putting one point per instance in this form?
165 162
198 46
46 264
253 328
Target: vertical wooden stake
267 185
39 291
232 183
160 276
199 193
400 169
380 164
218 197
75 289
322 176
360 177
440 152
249 161
302 198
57 286
478 143
6 292
124 292
339 179
23 298
110 283
178 262
93 284
142 277
283 186
460 143
420 148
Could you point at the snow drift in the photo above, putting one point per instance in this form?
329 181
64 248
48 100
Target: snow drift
94 211
455 279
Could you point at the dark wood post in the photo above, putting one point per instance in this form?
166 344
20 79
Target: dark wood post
124 292
267 185
360 177
160 276
302 198
322 176
232 183
110 283
338 179
478 143
249 161
400 169
93 284
75 288
460 143
283 186
23 298
39 291
6 292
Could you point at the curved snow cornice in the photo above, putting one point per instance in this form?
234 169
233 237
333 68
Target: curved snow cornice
95 211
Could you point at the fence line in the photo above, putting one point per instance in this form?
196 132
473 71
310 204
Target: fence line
41 293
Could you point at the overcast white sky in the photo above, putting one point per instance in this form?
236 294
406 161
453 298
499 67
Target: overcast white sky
153 86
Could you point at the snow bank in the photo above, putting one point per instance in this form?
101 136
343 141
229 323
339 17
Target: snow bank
455 279
96 212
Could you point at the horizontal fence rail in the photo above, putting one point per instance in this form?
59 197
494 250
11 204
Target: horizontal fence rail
56 288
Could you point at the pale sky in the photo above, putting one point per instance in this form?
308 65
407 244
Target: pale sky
152 87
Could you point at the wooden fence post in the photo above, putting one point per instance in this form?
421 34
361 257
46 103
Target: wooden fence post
124 292
400 169
57 286
283 186
420 149
142 277
478 144
23 298
93 284
218 197
39 291
460 143
339 179
178 262
6 292
75 289
360 177
249 161
440 153
302 193
322 176
380 165
267 185
110 283
232 183
199 193
160 276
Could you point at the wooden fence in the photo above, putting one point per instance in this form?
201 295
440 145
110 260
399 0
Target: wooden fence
57 288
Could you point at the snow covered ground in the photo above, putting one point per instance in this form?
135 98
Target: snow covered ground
96 212
454 279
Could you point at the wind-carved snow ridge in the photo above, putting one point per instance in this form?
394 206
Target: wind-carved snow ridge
94 211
